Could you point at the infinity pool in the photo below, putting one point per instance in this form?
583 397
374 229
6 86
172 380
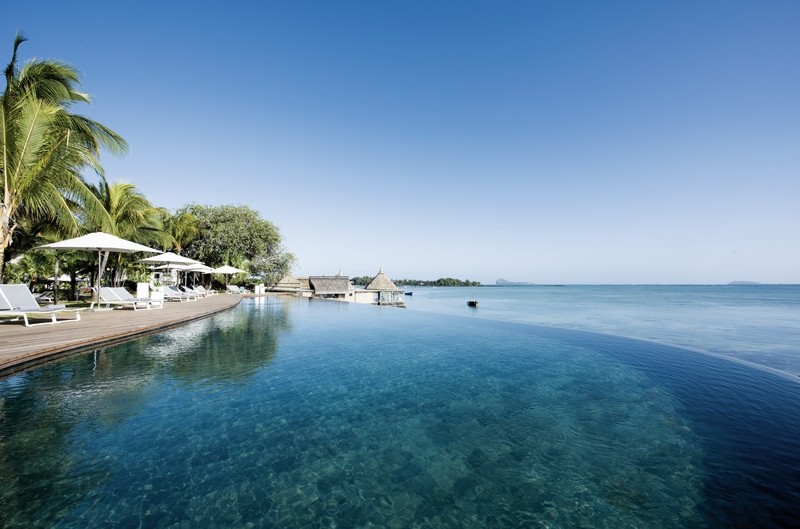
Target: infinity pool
290 413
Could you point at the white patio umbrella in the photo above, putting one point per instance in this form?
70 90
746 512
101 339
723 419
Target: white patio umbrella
99 242
171 260
227 270
199 268
179 267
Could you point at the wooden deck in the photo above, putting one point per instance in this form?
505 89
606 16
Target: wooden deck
22 347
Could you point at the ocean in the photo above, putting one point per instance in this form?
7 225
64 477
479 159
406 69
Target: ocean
759 324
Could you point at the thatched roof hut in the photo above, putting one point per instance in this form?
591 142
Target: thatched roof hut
288 283
381 291
381 282
330 286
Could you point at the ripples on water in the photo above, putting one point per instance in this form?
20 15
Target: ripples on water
297 414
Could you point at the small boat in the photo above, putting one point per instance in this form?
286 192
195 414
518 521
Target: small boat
408 293
472 303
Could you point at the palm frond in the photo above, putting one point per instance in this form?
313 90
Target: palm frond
52 81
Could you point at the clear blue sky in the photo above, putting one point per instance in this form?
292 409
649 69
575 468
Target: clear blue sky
551 142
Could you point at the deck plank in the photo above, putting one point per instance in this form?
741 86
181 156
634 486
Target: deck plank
22 347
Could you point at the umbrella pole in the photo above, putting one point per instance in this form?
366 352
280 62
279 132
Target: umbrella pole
96 294
55 283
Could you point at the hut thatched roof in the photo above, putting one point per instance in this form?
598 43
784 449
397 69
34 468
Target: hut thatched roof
381 282
287 282
324 285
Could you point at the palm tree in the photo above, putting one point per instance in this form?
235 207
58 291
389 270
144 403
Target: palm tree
44 148
131 216
183 227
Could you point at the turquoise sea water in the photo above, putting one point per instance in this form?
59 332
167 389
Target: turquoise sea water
754 323
290 413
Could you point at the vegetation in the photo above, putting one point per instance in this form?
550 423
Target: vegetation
131 217
238 236
44 149
441 282
182 229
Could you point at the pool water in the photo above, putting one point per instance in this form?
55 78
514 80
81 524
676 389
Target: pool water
289 413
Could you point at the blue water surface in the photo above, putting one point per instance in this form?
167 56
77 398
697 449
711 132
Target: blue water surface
754 323
289 413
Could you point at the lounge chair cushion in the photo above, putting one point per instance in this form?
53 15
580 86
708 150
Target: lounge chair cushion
17 300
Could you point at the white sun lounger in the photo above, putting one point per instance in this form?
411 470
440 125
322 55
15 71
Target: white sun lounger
108 298
171 293
124 295
194 291
17 301
120 297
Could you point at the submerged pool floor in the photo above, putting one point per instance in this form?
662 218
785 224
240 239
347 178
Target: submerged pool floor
285 413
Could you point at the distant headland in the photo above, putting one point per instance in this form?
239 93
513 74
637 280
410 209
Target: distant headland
506 283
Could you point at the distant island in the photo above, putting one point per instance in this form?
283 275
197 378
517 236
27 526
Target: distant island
507 283
441 282
744 283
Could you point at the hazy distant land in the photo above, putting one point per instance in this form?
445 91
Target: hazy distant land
507 283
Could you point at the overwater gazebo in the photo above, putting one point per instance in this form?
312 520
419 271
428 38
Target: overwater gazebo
382 291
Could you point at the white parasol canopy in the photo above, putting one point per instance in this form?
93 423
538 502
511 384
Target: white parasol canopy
168 258
227 269
172 261
100 242
203 269
180 267
196 267
200 268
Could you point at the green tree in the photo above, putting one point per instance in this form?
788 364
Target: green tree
273 268
44 148
236 235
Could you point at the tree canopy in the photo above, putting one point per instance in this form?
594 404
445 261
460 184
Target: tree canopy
238 236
